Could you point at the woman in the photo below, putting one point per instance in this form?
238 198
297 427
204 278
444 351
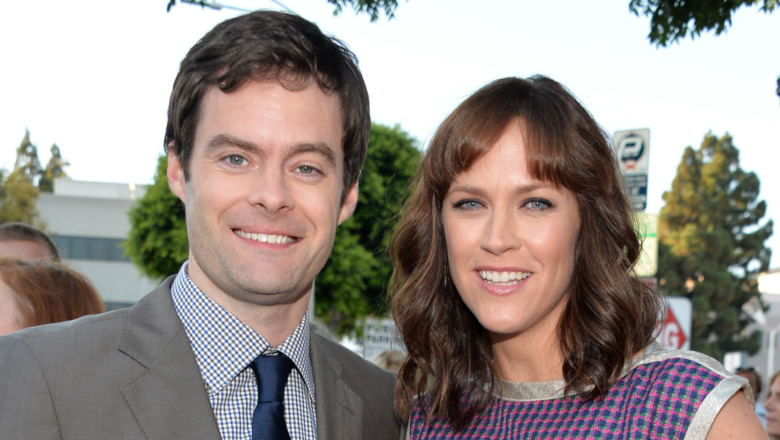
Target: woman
515 294
772 406
35 292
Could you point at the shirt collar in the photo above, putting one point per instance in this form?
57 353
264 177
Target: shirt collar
223 345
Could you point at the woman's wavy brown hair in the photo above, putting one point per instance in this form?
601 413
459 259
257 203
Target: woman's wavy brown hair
609 314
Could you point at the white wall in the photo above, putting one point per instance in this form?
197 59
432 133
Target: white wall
97 210
769 286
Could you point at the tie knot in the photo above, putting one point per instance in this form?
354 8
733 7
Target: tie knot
271 373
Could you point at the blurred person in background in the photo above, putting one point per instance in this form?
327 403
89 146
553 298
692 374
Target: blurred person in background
754 379
390 360
772 406
27 242
37 292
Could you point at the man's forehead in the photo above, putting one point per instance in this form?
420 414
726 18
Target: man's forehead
276 91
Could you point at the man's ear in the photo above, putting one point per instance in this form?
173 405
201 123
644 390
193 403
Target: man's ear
350 201
175 174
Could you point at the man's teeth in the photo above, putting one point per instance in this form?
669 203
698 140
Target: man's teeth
503 277
265 238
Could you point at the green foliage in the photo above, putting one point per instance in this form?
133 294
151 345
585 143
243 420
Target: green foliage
370 7
711 244
373 8
18 199
340 289
55 168
675 19
157 243
18 193
27 161
354 281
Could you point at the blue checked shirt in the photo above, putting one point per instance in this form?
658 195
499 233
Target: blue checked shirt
224 347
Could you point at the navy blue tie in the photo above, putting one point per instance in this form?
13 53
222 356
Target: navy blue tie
271 373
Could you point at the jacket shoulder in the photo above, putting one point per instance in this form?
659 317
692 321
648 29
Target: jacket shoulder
371 387
353 367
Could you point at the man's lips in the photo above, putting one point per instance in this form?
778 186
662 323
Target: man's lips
265 238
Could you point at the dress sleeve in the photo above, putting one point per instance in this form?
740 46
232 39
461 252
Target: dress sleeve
714 402
702 372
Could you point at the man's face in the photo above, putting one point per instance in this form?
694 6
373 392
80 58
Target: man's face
263 194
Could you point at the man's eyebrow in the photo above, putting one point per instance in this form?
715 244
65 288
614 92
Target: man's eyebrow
321 148
222 140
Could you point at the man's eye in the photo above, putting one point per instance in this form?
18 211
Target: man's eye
235 159
307 169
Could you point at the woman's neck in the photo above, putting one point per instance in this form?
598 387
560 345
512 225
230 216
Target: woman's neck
526 358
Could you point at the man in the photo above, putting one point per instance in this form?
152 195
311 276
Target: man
754 379
267 130
26 242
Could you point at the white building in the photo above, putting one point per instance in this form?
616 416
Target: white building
89 221
769 286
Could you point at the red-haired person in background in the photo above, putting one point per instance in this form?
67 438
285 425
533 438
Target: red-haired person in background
35 293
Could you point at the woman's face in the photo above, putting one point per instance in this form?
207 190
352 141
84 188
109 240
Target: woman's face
510 242
10 317
772 406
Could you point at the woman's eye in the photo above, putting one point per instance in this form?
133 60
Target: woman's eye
538 204
468 205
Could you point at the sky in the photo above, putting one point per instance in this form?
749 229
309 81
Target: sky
94 76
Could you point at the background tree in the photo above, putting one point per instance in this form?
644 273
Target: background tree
711 244
27 162
55 168
18 199
18 193
672 20
374 8
371 7
354 280
157 243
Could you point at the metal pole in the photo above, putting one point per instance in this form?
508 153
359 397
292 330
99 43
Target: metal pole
770 361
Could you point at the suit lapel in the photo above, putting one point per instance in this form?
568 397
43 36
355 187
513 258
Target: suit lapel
168 399
339 408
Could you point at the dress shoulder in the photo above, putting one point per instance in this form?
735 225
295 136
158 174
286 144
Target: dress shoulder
680 372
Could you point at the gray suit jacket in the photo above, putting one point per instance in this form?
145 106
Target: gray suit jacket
131 374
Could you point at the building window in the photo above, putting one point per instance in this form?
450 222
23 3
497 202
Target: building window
90 248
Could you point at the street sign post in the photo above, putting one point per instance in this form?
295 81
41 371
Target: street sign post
647 228
633 151
675 331
380 335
